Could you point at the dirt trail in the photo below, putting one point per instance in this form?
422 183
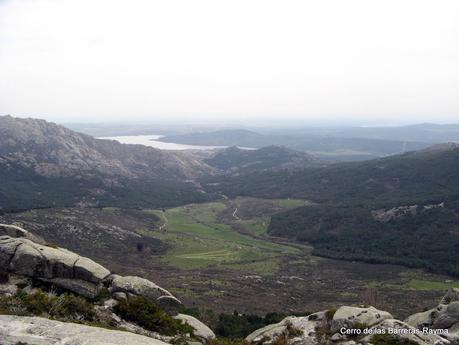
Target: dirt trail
234 214
164 224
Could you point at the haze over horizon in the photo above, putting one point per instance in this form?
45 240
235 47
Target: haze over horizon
330 62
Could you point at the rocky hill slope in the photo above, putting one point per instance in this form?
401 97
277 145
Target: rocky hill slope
53 150
43 164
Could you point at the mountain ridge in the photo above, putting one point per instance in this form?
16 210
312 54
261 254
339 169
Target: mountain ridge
43 164
53 150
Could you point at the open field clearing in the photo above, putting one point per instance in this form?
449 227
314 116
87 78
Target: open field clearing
198 238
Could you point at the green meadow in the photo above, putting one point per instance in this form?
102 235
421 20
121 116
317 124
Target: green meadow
197 239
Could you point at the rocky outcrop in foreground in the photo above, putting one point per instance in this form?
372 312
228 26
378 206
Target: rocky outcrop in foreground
62 268
366 325
41 331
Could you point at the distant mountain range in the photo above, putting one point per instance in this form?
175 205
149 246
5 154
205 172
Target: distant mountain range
329 147
424 132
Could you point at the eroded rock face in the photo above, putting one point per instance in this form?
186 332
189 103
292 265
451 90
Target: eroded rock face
41 331
200 329
21 256
57 265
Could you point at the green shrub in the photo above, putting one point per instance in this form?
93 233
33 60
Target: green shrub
147 315
64 307
72 307
103 295
37 303
330 313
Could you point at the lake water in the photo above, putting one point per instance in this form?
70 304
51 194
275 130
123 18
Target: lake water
152 140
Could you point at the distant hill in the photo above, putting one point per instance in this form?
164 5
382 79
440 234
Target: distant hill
325 146
43 164
234 160
225 137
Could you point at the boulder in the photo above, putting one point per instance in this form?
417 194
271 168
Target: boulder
451 296
441 317
16 231
448 318
41 331
425 319
354 317
8 247
301 330
200 329
136 286
170 304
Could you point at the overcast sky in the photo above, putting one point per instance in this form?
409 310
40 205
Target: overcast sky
390 61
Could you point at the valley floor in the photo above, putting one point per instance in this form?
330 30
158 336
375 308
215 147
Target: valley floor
217 256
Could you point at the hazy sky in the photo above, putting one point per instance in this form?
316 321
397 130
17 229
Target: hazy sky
96 60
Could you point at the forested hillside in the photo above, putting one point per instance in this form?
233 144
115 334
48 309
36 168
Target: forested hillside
236 160
424 235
